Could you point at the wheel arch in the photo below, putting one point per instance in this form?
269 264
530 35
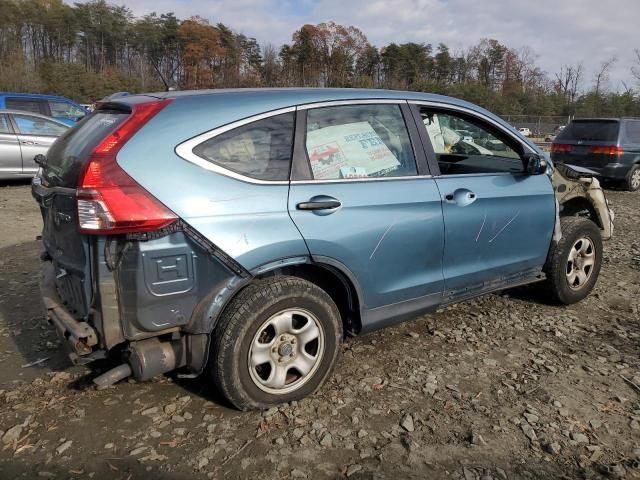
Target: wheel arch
574 206
332 277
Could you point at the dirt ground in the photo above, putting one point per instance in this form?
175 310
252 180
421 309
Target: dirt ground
502 387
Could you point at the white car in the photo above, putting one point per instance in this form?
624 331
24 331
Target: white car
525 131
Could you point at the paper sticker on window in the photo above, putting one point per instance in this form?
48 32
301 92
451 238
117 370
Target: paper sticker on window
333 148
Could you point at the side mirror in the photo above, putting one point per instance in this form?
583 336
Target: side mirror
535 164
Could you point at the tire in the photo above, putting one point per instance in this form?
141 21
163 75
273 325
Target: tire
581 240
632 182
272 320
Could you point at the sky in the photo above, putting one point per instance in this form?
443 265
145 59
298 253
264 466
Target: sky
558 31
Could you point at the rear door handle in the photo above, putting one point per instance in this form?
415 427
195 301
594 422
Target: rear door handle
319 205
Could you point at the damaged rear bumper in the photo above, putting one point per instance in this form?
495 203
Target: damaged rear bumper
80 336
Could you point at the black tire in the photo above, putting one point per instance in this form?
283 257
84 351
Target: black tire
632 182
558 266
235 334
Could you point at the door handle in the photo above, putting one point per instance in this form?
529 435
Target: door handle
461 197
319 205
29 142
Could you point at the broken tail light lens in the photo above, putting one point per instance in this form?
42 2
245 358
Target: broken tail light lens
109 201
561 148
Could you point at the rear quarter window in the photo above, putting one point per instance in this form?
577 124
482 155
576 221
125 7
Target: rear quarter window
261 150
590 131
632 131
68 155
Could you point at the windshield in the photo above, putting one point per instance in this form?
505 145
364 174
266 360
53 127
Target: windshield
590 131
70 152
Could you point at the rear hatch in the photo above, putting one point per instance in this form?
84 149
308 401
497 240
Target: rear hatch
591 143
54 188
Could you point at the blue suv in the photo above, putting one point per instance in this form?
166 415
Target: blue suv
244 233
60 108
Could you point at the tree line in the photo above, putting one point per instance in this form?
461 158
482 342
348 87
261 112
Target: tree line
88 50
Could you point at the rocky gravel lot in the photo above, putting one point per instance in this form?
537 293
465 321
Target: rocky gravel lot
502 387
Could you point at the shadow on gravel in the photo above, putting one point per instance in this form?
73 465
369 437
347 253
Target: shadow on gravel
22 313
15 183
108 468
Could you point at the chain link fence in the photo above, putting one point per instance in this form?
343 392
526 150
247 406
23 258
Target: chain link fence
541 126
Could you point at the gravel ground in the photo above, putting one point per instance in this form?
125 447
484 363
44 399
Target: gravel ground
500 387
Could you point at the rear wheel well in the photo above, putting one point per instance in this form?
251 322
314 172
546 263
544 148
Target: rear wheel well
580 207
335 283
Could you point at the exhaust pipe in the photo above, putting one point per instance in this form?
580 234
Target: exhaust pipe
147 359
112 376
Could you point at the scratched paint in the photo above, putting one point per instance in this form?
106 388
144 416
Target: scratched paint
505 226
381 239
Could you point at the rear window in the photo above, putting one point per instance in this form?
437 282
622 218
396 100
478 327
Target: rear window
71 151
590 131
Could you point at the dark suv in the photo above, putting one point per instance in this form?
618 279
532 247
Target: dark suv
611 147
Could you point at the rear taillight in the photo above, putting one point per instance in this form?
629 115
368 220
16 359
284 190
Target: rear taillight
606 150
109 200
561 148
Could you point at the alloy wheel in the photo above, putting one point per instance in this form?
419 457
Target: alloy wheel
580 263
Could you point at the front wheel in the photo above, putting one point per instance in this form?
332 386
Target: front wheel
276 342
574 262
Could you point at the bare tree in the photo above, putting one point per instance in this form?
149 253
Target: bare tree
635 69
602 75
270 65
568 82
600 79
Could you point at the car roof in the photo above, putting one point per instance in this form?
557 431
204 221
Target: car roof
31 114
298 96
587 119
277 98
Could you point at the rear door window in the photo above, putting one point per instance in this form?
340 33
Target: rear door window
27 105
261 150
590 131
68 155
31 125
359 141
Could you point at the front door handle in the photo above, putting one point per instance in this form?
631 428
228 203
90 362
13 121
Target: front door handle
319 205
461 197
29 142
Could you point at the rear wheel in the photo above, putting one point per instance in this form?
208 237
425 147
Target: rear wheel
574 262
276 342
633 179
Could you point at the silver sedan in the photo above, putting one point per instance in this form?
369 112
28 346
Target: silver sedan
23 135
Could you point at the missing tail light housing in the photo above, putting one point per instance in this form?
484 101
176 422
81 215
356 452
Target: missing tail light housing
110 201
